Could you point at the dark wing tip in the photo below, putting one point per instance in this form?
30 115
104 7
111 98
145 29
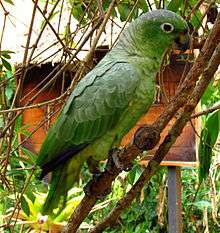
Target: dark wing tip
60 159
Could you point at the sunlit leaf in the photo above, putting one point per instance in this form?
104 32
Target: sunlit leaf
30 193
9 92
142 4
202 204
134 174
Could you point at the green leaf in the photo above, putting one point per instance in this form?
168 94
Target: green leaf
174 5
6 56
205 154
124 11
9 1
30 194
196 19
208 139
143 5
9 92
24 206
32 156
20 158
202 204
15 172
212 125
134 174
77 10
206 98
9 74
6 64
6 53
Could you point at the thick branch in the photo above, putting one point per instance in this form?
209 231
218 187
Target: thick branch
100 186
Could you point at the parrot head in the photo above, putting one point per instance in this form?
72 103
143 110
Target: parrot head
154 31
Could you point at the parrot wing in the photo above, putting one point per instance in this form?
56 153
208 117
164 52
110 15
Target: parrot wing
93 108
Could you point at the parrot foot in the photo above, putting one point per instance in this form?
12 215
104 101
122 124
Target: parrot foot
115 158
93 166
90 189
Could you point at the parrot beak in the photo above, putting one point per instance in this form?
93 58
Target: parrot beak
182 42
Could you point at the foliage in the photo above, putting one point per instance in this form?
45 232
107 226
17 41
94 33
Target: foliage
31 209
143 214
210 130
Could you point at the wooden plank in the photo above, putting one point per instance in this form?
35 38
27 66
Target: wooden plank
172 163
174 200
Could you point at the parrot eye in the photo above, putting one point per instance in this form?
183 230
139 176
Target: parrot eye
167 27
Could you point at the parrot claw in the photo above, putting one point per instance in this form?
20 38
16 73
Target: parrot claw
88 189
121 165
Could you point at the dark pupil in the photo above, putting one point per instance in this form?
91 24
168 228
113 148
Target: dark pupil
167 27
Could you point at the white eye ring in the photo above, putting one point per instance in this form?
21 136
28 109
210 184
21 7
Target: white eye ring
167 27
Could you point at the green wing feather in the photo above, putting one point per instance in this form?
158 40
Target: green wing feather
93 108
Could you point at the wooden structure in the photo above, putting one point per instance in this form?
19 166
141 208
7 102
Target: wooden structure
35 121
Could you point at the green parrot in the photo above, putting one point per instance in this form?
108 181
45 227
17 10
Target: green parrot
108 101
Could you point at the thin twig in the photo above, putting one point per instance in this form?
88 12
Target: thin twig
207 111
52 28
3 30
41 32
58 99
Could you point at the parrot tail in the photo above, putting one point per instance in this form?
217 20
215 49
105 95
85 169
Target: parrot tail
61 181
65 168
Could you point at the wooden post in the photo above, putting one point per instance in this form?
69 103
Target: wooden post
174 200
